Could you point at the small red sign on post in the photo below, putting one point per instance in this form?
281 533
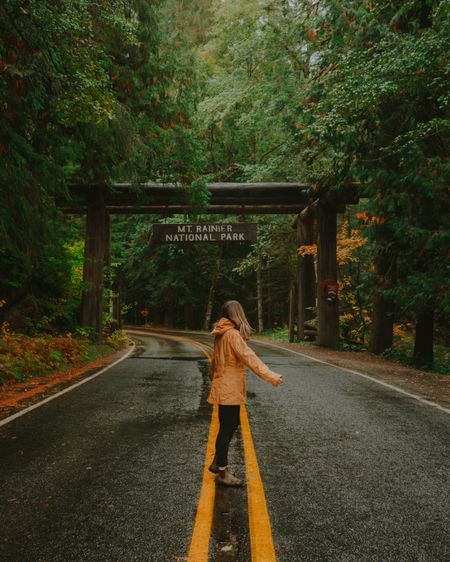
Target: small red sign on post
329 290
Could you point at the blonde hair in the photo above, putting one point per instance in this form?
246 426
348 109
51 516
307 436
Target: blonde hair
233 311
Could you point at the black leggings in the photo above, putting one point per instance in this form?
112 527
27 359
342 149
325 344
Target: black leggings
229 421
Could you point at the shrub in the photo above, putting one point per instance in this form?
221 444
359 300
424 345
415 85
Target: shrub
22 356
118 339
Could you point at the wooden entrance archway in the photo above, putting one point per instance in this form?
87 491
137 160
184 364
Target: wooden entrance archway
98 202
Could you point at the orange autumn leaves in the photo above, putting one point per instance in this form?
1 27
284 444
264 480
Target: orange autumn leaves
348 240
22 356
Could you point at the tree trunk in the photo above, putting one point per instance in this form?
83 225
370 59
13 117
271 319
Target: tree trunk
423 342
107 265
94 256
212 290
381 335
170 312
158 316
189 316
269 299
117 305
292 312
260 300
306 276
328 312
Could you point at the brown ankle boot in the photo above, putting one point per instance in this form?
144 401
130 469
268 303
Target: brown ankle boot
227 478
214 467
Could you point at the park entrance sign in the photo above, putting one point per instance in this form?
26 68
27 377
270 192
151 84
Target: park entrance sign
204 232
315 209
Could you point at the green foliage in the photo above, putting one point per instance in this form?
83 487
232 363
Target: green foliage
402 352
243 113
22 356
374 109
278 333
335 92
330 92
91 91
118 339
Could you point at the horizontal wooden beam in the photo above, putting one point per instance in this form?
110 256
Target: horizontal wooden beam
297 201
224 198
183 209
227 186
156 194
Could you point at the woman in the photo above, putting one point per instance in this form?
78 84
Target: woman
228 374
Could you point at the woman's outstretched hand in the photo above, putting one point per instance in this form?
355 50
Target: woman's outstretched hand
278 380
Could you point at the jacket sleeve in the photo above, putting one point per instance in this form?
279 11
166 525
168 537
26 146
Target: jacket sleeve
250 359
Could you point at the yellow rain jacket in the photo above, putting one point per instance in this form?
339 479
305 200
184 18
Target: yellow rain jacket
232 356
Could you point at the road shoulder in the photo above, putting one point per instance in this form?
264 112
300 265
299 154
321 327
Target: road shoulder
17 396
425 384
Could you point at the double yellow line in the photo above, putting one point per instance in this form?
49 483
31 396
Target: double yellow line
261 541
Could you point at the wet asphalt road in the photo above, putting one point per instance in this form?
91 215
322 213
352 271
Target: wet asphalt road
112 470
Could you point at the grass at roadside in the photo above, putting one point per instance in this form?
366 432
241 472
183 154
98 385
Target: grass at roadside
276 334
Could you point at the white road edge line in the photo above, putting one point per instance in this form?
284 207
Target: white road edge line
387 385
4 421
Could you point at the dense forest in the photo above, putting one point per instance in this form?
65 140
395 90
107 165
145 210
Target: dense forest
325 92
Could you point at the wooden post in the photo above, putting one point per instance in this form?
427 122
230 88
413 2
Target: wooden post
292 312
328 312
94 257
306 275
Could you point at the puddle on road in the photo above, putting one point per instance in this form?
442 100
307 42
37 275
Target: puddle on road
230 533
230 541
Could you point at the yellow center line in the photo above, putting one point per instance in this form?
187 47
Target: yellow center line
205 348
198 551
261 541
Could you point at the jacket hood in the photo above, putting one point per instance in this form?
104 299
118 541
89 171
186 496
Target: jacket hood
222 326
